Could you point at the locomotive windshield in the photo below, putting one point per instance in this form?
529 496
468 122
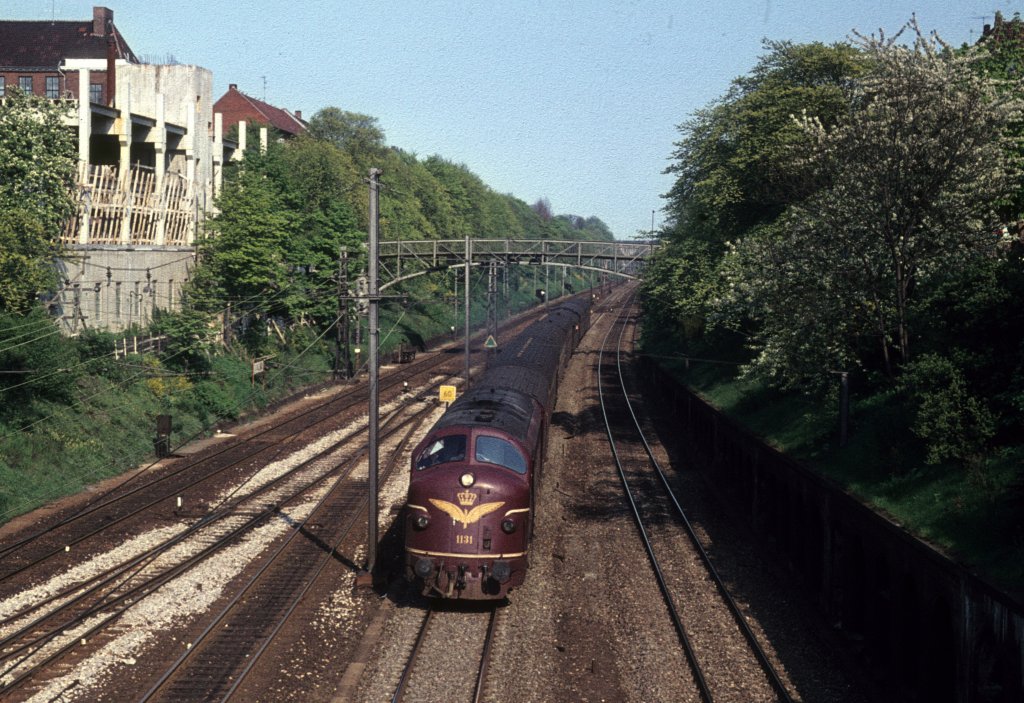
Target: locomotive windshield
495 450
443 449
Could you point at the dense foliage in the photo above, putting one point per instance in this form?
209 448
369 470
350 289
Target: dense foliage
37 161
841 209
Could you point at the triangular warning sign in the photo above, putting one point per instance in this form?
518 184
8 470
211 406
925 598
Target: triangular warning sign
490 343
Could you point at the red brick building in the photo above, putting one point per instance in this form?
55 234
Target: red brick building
237 107
43 57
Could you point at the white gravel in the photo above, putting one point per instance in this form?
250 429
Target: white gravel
160 617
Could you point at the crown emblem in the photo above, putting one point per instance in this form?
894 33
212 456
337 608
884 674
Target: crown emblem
466 497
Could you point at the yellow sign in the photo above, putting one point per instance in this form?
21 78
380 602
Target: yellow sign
447 394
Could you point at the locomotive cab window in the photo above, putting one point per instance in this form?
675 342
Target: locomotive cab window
442 450
494 450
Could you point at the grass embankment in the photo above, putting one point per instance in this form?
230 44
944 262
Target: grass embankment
50 449
970 513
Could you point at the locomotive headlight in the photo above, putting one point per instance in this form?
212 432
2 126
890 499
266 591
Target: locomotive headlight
508 525
467 480
421 521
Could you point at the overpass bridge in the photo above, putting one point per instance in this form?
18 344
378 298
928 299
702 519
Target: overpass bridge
402 260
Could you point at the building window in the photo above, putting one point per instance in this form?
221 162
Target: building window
96 93
3 86
52 87
25 83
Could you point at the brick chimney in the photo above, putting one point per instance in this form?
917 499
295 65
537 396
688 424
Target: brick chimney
298 115
233 86
102 18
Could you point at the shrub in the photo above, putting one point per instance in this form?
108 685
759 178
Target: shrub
953 423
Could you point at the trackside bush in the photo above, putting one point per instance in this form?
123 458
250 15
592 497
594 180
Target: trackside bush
953 423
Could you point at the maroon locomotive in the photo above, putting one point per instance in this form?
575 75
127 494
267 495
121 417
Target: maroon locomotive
469 515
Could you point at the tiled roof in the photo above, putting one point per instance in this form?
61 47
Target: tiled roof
43 45
277 118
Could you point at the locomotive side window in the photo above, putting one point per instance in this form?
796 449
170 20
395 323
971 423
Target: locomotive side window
494 450
441 450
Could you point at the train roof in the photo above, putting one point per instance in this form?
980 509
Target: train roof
505 409
519 373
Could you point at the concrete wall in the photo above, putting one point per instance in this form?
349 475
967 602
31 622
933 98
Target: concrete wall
113 288
188 101
926 627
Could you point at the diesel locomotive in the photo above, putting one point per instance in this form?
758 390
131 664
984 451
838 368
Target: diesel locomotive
472 491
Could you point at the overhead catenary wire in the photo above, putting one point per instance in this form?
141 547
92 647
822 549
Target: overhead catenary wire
41 323
52 329
29 341
76 403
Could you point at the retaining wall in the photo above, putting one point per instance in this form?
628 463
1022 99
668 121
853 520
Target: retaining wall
929 629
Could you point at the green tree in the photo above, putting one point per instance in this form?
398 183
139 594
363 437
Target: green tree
37 161
242 257
360 135
27 254
909 185
733 166
734 173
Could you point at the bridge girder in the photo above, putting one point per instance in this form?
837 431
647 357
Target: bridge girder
622 259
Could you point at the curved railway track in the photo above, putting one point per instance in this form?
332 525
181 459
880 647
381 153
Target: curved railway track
724 663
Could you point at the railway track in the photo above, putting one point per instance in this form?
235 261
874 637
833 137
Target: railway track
50 624
728 663
451 656
59 542
221 657
49 631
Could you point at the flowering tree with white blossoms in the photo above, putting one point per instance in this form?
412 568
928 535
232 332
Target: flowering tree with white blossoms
907 189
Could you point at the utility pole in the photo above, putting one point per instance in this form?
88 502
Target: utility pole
492 301
374 334
341 324
468 254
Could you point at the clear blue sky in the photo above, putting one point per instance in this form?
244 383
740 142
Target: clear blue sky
574 101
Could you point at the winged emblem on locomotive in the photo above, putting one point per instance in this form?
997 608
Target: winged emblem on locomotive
466 517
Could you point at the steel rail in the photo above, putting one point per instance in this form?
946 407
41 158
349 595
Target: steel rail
417 645
224 510
688 648
485 659
160 579
347 531
776 681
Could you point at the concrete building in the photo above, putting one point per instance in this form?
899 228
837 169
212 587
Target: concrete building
151 153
